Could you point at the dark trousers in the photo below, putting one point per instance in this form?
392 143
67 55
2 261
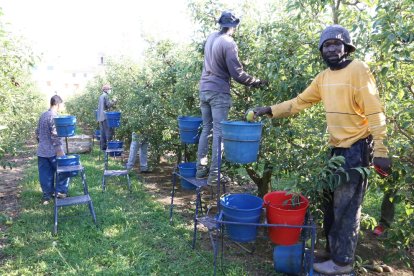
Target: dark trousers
342 207
106 134
47 170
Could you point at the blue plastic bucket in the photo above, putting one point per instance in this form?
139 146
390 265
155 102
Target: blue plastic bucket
187 170
188 127
65 125
113 118
115 145
98 134
244 208
68 160
241 141
288 258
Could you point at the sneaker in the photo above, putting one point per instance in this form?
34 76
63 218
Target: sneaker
330 268
379 230
202 172
45 201
61 195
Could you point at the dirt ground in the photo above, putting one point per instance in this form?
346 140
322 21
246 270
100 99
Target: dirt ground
159 184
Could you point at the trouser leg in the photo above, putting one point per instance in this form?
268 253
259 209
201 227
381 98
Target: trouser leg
46 176
343 235
143 155
103 139
202 151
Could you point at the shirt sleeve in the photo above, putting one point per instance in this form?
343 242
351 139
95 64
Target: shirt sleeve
304 100
368 99
235 67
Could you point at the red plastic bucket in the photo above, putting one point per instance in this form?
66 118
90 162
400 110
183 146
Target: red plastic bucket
279 210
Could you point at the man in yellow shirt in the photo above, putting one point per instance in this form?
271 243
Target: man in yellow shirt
357 129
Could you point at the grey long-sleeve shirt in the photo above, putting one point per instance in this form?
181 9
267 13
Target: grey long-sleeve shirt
103 105
49 142
221 62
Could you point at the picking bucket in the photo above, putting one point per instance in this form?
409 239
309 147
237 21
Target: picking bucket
113 118
115 145
187 170
241 141
65 125
68 160
244 208
188 127
280 210
288 258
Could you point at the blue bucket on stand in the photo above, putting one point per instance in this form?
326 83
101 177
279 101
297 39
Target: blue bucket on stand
188 127
68 160
65 125
187 170
241 141
113 118
115 145
288 258
244 208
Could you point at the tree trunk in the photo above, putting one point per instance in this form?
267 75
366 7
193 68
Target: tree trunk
263 183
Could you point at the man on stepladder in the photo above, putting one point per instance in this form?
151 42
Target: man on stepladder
221 64
357 130
103 105
49 147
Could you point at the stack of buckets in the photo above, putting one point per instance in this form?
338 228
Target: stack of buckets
189 128
281 209
241 145
114 120
65 127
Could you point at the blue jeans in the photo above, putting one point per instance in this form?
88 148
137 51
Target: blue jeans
106 134
47 170
140 143
215 108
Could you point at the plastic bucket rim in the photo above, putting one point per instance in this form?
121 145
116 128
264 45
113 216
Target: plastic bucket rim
235 208
301 206
243 123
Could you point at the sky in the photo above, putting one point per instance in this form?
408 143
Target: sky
77 31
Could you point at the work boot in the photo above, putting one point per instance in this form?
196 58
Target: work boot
202 172
330 268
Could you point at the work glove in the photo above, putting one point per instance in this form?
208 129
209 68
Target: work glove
262 110
260 83
382 166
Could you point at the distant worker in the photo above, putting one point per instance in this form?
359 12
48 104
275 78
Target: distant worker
50 146
221 64
103 105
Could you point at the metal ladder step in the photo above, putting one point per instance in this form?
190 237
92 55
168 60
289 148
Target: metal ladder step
74 200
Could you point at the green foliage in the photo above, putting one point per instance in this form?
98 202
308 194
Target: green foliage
20 103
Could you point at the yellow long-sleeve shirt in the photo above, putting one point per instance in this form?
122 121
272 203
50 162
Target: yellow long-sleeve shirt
352 105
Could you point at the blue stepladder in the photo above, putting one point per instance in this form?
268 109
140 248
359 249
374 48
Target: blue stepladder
74 200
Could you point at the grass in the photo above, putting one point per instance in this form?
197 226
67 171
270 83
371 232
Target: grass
133 236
